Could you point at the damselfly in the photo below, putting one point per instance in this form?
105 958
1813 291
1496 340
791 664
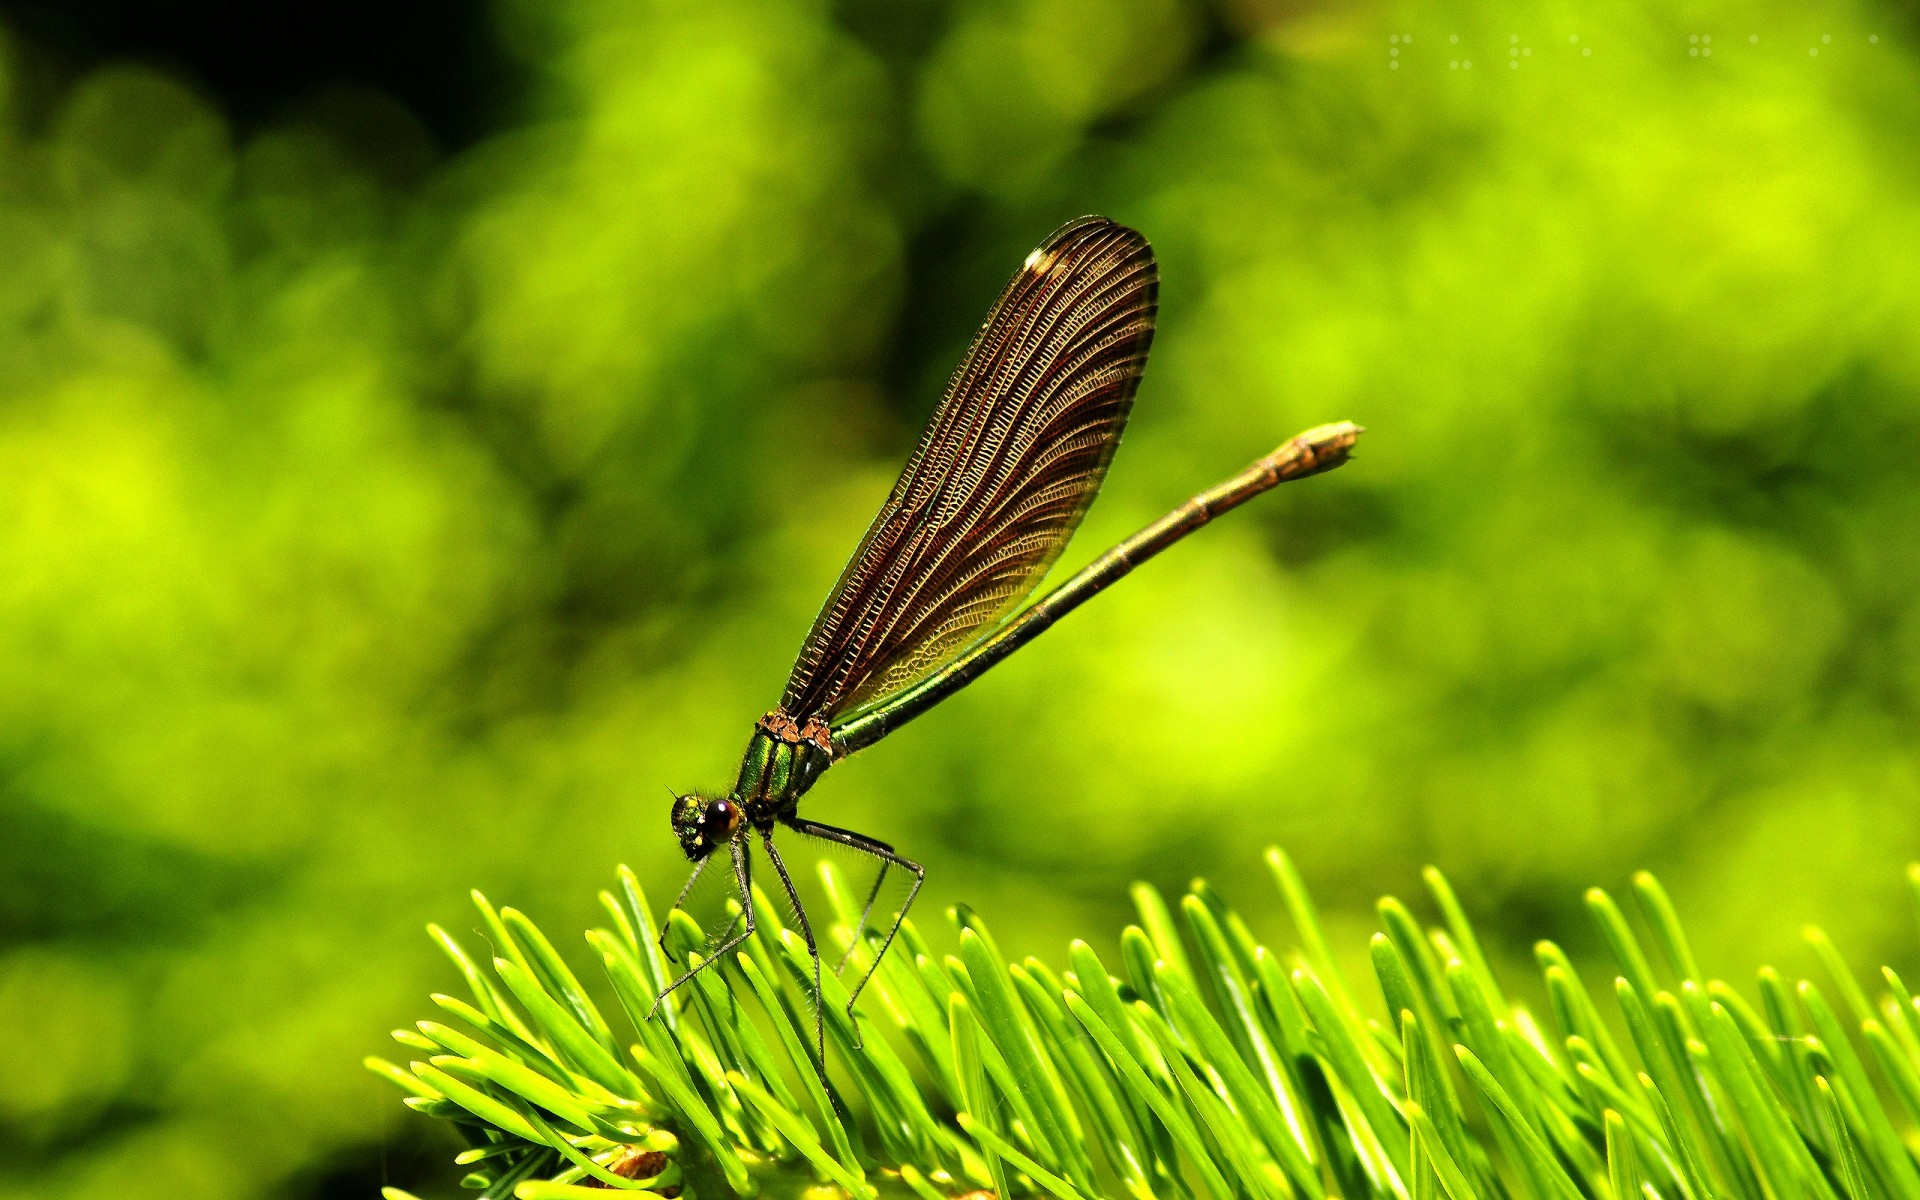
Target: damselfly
1004 472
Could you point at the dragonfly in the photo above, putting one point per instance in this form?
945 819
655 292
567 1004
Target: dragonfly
935 594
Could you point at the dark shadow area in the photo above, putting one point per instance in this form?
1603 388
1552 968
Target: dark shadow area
439 58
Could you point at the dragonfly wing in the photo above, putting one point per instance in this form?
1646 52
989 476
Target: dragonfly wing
1009 463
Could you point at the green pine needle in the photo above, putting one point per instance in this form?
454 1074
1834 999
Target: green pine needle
1208 1067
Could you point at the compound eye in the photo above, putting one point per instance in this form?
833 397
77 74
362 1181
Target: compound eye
722 818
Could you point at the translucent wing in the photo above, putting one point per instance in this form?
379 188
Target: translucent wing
1003 474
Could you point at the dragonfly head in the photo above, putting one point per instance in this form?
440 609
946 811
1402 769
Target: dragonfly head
705 823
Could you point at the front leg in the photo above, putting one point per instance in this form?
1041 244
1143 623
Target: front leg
680 901
743 877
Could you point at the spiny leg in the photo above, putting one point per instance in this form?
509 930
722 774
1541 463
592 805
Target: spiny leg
886 854
731 926
681 900
813 950
861 925
743 876
686 889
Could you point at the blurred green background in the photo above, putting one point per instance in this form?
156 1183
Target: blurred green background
426 436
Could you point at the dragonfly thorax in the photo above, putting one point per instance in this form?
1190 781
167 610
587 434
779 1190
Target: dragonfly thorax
783 759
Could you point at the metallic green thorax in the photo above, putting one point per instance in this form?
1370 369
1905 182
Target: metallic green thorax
774 774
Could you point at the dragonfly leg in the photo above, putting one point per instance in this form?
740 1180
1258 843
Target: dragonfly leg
686 889
860 926
743 876
887 856
813 950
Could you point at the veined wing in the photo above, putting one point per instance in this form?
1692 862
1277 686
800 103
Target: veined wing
1005 470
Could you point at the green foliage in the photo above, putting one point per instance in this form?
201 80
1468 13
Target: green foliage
1200 1064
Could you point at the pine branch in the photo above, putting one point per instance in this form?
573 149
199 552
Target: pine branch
1207 1065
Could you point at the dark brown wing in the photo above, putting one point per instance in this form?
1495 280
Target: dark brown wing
1003 474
